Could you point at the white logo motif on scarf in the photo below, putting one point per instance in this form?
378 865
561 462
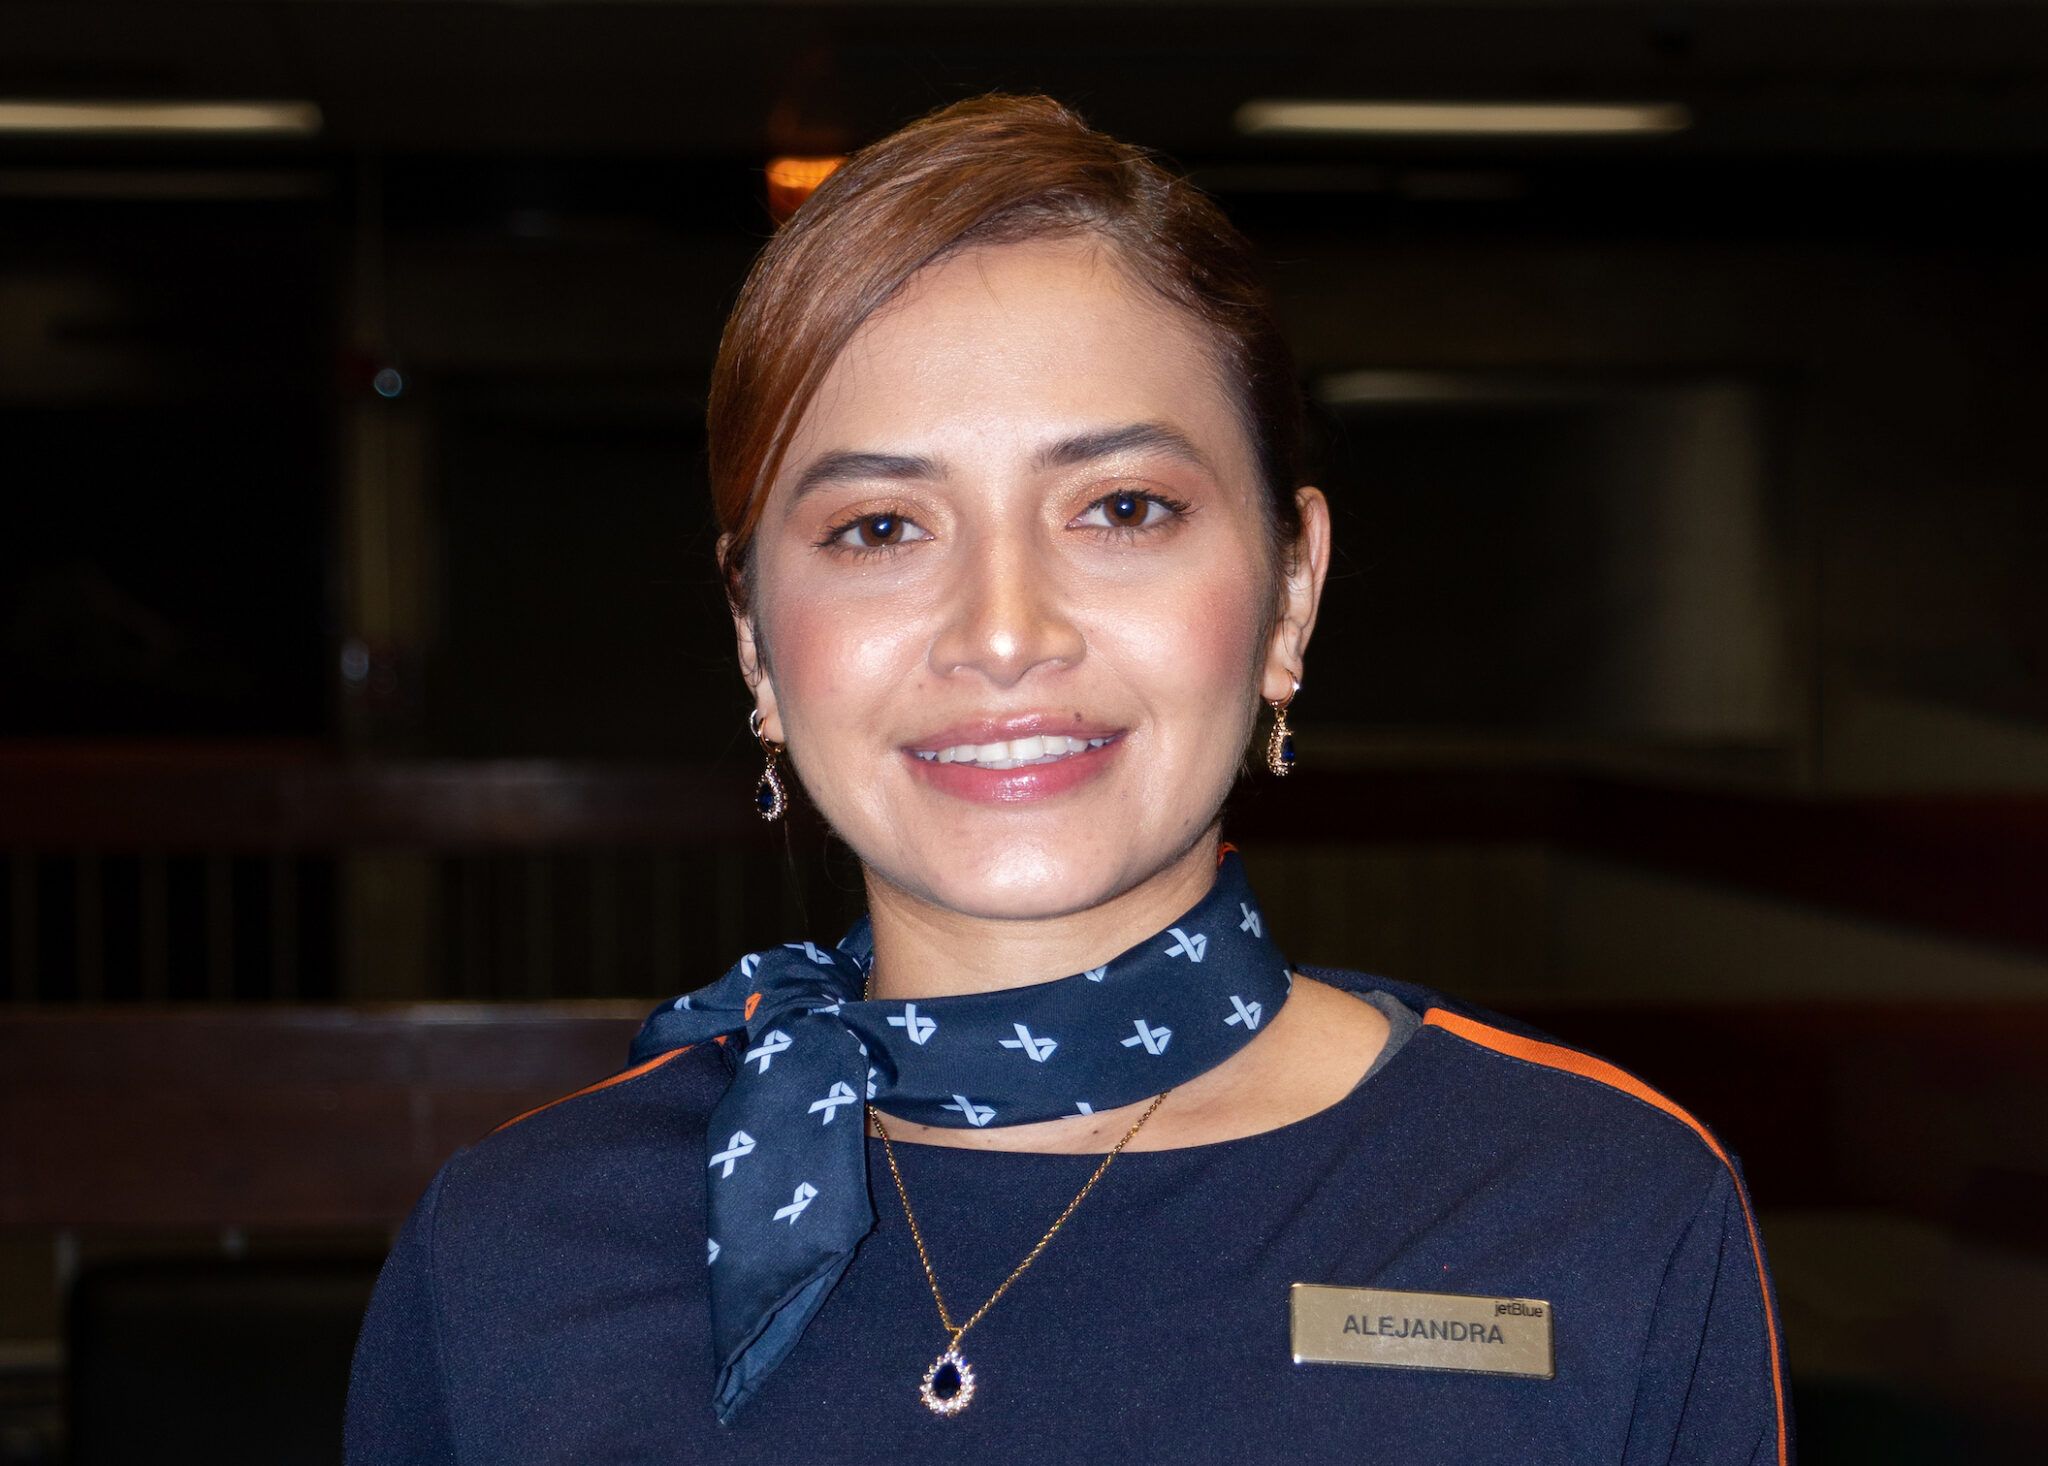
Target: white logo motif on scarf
797 1202
1154 1039
810 950
1190 947
1247 1013
749 964
1251 920
741 1144
1035 1048
977 1115
1082 1107
916 1029
840 1094
773 1042
712 1243
1097 974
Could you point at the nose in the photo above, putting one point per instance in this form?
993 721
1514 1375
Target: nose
1008 616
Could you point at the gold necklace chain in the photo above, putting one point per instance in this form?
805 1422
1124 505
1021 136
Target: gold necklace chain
949 1383
946 1318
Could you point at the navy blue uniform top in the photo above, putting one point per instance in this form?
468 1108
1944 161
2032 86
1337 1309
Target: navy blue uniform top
546 1301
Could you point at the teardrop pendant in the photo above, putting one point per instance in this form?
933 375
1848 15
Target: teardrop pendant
1280 746
770 798
949 1384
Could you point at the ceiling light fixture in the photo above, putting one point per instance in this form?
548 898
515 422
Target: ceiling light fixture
1459 119
136 119
792 180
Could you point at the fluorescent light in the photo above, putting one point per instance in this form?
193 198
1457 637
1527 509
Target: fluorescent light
154 183
293 119
1460 119
1380 388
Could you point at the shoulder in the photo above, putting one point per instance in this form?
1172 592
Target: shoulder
1510 1077
1588 1161
560 1252
625 1140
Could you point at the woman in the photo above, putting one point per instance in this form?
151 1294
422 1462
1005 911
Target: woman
1005 442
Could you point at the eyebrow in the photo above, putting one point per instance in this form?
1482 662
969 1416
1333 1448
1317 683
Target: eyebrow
854 467
837 468
1137 437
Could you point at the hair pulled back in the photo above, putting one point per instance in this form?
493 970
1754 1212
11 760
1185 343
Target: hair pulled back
992 170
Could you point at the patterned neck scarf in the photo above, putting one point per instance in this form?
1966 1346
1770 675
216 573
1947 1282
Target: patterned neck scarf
787 1196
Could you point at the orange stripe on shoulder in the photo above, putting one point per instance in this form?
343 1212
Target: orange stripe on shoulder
1571 1061
1557 1056
620 1078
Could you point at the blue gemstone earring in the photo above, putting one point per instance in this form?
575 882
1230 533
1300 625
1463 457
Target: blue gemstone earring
770 798
1280 746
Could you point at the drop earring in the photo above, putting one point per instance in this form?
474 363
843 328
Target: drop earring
1280 746
770 798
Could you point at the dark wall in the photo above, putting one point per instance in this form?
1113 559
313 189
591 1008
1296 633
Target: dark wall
168 484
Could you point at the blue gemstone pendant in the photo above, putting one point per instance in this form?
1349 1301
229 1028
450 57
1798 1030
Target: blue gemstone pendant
770 798
948 1384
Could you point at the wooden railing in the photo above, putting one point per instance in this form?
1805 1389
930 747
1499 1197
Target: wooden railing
271 1117
286 1117
284 1114
216 874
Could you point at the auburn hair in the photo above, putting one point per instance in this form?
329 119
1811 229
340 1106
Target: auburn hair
991 170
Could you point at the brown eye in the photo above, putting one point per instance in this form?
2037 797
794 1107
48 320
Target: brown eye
1129 509
1126 511
878 532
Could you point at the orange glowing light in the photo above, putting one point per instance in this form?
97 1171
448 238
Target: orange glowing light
791 181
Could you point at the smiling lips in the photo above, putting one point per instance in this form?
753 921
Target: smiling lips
1036 766
1012 754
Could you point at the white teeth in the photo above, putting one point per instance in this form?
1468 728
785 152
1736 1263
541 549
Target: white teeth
1043 749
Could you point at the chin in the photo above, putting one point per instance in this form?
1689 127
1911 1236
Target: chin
1017 890
1019 880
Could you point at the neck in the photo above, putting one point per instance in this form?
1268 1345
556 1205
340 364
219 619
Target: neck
927 951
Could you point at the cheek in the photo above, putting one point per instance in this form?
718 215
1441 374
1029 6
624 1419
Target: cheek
827 656
1196 639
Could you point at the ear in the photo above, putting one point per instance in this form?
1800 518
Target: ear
1301 592
753 664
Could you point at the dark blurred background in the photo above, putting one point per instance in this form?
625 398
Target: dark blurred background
371 749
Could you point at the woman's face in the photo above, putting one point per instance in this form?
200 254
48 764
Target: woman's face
1012 591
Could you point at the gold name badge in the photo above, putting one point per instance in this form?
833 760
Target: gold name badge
1421 1330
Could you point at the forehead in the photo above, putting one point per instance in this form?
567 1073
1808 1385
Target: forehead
1015 344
